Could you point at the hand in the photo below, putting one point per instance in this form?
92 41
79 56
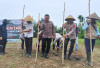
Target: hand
99 37
0 38
65 35
21 32
89 21
63 25
38 23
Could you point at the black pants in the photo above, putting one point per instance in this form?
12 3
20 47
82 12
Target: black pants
71 45
58 41
22 45
3 42
46 42
28 43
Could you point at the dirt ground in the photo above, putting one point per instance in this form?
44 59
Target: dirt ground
17 59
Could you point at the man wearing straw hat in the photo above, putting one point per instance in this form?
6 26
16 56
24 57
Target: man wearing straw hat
94 33
28 34
70 35
48 33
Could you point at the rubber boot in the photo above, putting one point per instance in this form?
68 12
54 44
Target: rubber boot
46 56
69 56
89 58
42 54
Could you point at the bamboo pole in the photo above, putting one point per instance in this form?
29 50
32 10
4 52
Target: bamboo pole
21 27
63 34
37 39
90 37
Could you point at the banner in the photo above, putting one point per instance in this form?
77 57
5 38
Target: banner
13 29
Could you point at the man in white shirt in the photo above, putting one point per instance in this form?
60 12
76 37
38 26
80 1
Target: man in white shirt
58 40
28 35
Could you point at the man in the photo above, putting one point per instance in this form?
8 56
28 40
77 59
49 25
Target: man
70 35
28 34
48 33
3 34
22 41
58 40
76 42
39 39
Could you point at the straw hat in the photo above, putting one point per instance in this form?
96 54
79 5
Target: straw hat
94 16
28 18
70 17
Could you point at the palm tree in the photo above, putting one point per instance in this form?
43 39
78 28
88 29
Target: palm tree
81 19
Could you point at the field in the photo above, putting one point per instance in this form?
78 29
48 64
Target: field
17 59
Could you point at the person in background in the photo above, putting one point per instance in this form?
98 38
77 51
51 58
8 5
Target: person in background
3 36
22 41
48 33
94 33
29 29
76 41
58 40
70 35
39 40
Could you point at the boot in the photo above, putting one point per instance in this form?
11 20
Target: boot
46 56
89 58
69 56
42 54
65 56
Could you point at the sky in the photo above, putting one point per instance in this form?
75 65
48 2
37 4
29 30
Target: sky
13 9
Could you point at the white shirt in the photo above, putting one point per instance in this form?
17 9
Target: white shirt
27 27
58 36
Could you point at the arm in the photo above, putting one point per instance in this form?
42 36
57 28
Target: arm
73 29
0 33
85 26
53 29
97 31
27 30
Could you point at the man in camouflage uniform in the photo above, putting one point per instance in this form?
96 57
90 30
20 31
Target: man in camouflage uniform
70 35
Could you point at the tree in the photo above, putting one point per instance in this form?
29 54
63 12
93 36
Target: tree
81 20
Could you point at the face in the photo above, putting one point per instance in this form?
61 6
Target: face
29 22
69 20
90 20
47 18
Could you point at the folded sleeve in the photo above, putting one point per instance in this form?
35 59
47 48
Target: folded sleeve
97 31
85 26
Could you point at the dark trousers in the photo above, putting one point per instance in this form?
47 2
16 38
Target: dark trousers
71 45
4 42
22 45
58 41
46 42
87 44
28 43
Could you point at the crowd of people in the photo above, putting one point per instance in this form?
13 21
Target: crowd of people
47 34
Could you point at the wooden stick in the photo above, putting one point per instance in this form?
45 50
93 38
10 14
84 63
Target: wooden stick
21 28
90 38
37 39
63 34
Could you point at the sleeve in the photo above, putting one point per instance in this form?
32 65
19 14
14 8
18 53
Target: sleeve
85 26
73 29
97 31
53 30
